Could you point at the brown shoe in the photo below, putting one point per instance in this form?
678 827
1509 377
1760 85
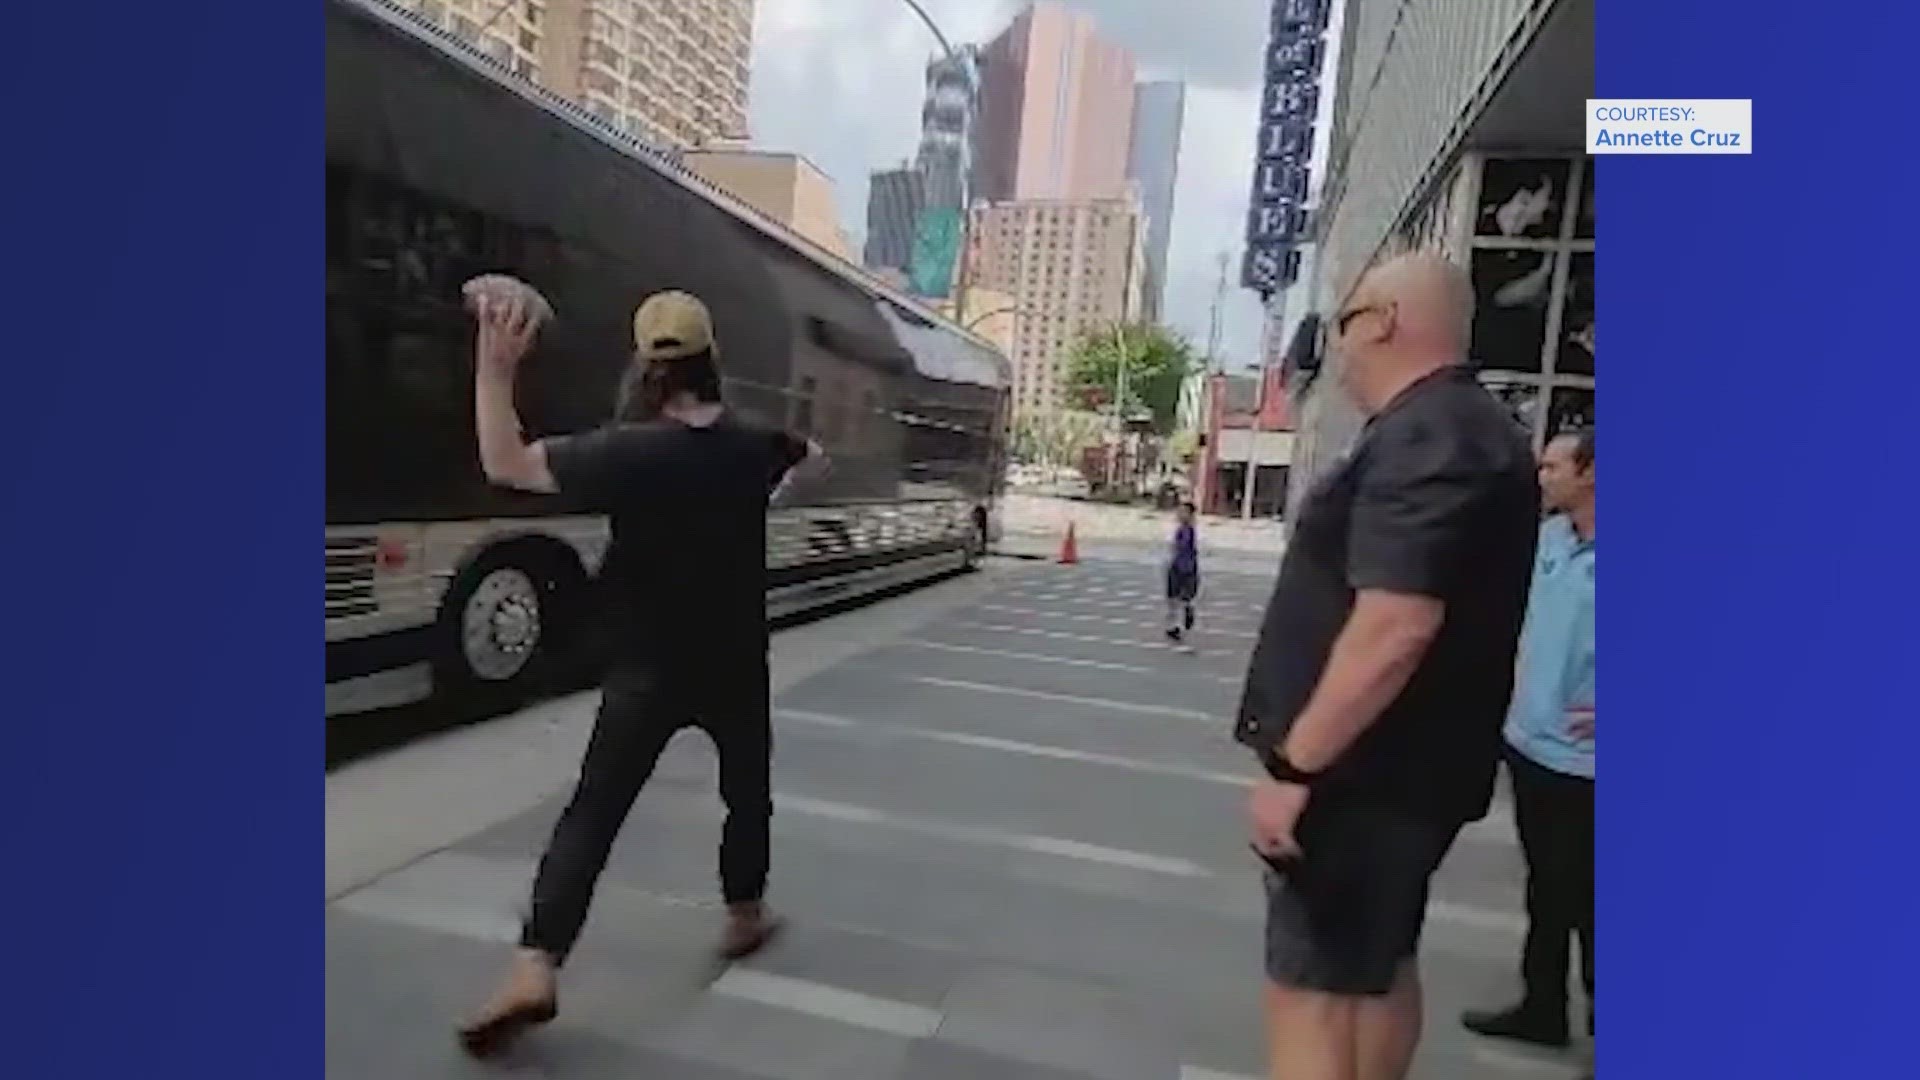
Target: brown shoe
749 927
528 998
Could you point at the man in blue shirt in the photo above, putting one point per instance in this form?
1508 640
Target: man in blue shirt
1549 735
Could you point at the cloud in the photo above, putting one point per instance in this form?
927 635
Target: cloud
841 82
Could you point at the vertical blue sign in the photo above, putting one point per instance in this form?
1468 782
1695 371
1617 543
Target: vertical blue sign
1277 216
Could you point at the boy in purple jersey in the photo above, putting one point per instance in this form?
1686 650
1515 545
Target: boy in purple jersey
1183 576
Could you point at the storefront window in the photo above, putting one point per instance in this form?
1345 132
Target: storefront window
1523 198
1575 356
1511 291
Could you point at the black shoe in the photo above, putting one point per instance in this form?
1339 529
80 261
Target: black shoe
1539 1027
1173 634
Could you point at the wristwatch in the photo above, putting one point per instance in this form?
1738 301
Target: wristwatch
1286 771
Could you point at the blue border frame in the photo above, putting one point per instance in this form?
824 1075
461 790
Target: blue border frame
1756 827
164 665
162 789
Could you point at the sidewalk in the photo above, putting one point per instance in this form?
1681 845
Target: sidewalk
1033 527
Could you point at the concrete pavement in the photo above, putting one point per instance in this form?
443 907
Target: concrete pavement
1007 833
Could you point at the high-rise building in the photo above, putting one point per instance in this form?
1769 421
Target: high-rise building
1071 267
1153 162
786 187
947 120
673 72
914 212
1056 110
895 198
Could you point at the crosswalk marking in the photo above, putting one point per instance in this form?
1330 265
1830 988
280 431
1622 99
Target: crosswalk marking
1194 1072
967 834
1139 601
828 1003
1070 699
1038 658
1062 635
1106 619
1013 746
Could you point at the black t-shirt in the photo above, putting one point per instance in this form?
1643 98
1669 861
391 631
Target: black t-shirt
1439 497
686 574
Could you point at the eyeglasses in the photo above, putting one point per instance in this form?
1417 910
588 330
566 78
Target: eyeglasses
1345 318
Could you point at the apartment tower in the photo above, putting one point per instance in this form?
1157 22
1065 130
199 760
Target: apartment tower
673 72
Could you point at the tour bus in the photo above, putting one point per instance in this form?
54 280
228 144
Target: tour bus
441 165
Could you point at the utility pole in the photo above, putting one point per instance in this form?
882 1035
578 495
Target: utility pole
1214 313
1120 357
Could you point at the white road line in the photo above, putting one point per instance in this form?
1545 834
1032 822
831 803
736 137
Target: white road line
1062 635
828 1003
1140 601
1519 1064
1013 746
854 1009
1477 918
1044 845
1194 1072
1073 661
1038 658
1071 699
1107 619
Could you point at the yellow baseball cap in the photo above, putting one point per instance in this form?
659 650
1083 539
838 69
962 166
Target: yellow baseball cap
672 326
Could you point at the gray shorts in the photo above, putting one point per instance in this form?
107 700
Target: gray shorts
1344 917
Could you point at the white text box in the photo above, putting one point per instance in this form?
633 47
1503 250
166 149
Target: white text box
1670 125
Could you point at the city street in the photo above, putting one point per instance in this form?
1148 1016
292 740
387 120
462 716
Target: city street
1008 836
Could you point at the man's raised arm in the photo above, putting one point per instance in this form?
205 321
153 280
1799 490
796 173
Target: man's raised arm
507 327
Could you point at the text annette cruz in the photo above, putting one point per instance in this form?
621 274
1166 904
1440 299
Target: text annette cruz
1670 125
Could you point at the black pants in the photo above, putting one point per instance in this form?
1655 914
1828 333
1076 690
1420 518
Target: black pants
642 707
1554 812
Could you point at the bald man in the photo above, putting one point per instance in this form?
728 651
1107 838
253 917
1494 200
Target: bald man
1377 690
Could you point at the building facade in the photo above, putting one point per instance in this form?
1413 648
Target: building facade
1242 465
673 72
786 187
1056 110
1457 127
895 198
1153 163
915 213
947 125
1071 267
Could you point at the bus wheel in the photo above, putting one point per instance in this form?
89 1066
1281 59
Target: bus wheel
494 630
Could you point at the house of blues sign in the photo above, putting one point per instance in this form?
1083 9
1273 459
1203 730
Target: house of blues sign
1277 219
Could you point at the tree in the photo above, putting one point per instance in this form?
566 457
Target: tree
1055 438
1157 360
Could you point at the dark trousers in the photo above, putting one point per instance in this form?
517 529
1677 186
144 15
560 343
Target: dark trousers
1554 812
642 707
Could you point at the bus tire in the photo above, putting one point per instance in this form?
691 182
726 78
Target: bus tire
507 620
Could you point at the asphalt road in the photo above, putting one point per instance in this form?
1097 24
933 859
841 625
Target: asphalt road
1007 833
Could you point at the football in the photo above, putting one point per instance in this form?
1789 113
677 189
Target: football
502 287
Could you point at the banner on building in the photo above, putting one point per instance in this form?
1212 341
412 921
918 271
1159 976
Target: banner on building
1278 220
936 252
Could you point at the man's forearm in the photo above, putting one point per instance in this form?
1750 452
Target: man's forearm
504 454
496 423
1370 663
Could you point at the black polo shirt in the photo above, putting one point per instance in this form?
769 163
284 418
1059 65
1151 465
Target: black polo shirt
1438 497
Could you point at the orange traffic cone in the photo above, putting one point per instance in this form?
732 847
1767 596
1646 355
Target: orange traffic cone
1069 548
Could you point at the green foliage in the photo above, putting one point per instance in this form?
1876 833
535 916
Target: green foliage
1156 360
1054 439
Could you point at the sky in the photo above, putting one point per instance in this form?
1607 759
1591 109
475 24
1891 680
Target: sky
841 82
